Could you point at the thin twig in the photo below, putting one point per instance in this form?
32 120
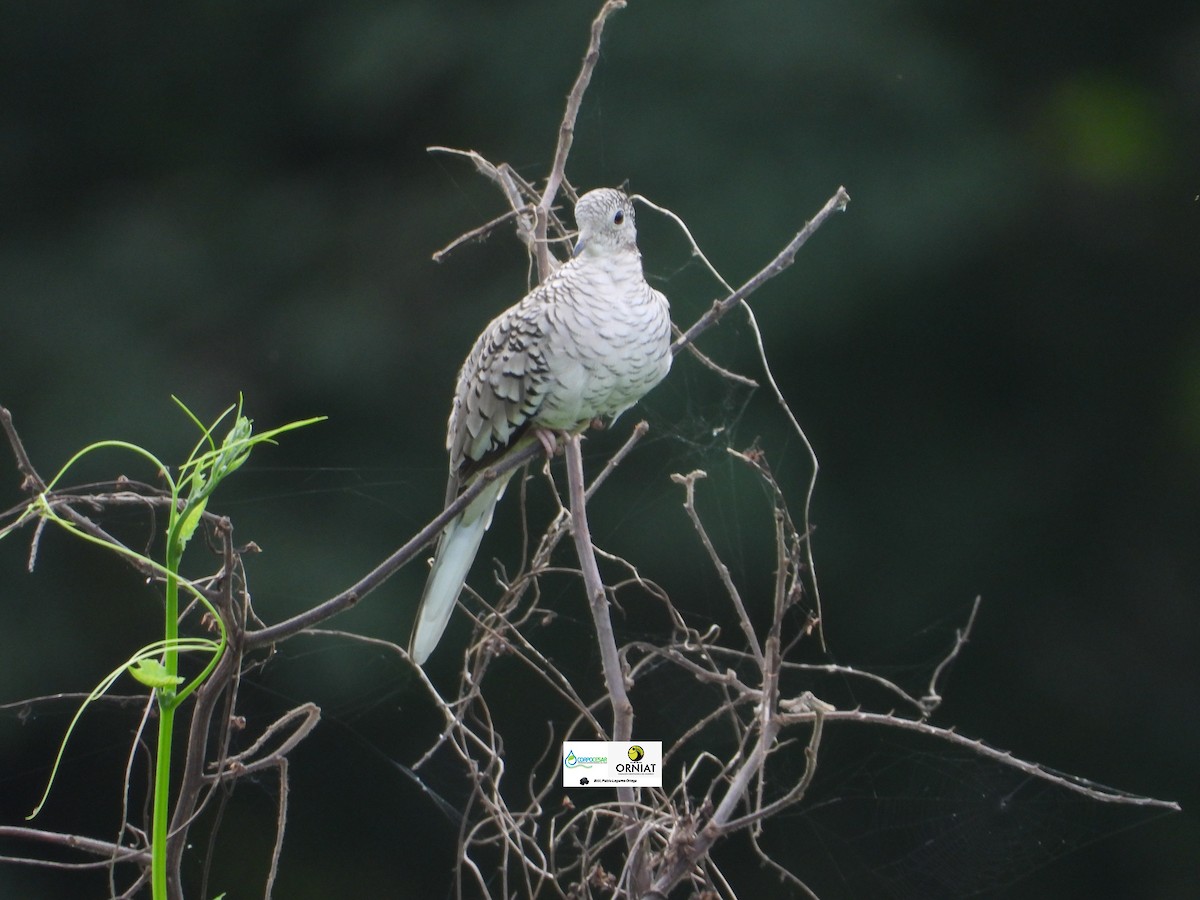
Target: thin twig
109 851
475 234
689 504
703 359
566 131
687 232
809 559
501 175
1073 783
281 764
248 761
149 704
711 364
33 482
933 698
782 260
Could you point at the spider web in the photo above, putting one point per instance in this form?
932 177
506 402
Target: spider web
907 819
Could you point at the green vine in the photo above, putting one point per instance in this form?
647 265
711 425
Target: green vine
156 665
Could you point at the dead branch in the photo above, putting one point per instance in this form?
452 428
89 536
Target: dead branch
107 850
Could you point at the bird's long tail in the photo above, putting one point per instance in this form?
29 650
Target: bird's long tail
455 552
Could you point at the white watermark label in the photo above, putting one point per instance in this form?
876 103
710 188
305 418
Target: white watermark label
608 763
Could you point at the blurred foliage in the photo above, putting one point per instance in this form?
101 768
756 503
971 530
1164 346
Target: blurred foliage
995 350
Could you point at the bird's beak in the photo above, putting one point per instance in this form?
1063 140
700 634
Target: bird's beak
578 248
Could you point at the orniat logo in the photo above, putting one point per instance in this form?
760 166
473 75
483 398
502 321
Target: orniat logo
636 754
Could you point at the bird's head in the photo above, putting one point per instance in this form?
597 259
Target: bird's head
605 220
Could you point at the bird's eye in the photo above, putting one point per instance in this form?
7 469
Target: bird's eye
619 217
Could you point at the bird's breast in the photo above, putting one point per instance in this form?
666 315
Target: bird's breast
610 344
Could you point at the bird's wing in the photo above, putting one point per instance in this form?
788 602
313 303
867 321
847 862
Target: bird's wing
500 389
500 386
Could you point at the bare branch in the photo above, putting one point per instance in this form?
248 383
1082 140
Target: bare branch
812 478
476 233
932 699
782 260
381 573
280 824
248 761
597 596
566 130
106 849
501 175
712 364
33 482
1073 783
689 504
687 232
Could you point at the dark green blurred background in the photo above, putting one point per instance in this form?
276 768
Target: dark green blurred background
995 351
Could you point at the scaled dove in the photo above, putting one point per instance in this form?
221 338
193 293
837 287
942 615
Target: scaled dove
588 342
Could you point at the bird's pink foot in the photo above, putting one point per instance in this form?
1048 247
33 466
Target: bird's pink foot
547 439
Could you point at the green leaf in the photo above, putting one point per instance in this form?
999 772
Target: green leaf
153 674
191 518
